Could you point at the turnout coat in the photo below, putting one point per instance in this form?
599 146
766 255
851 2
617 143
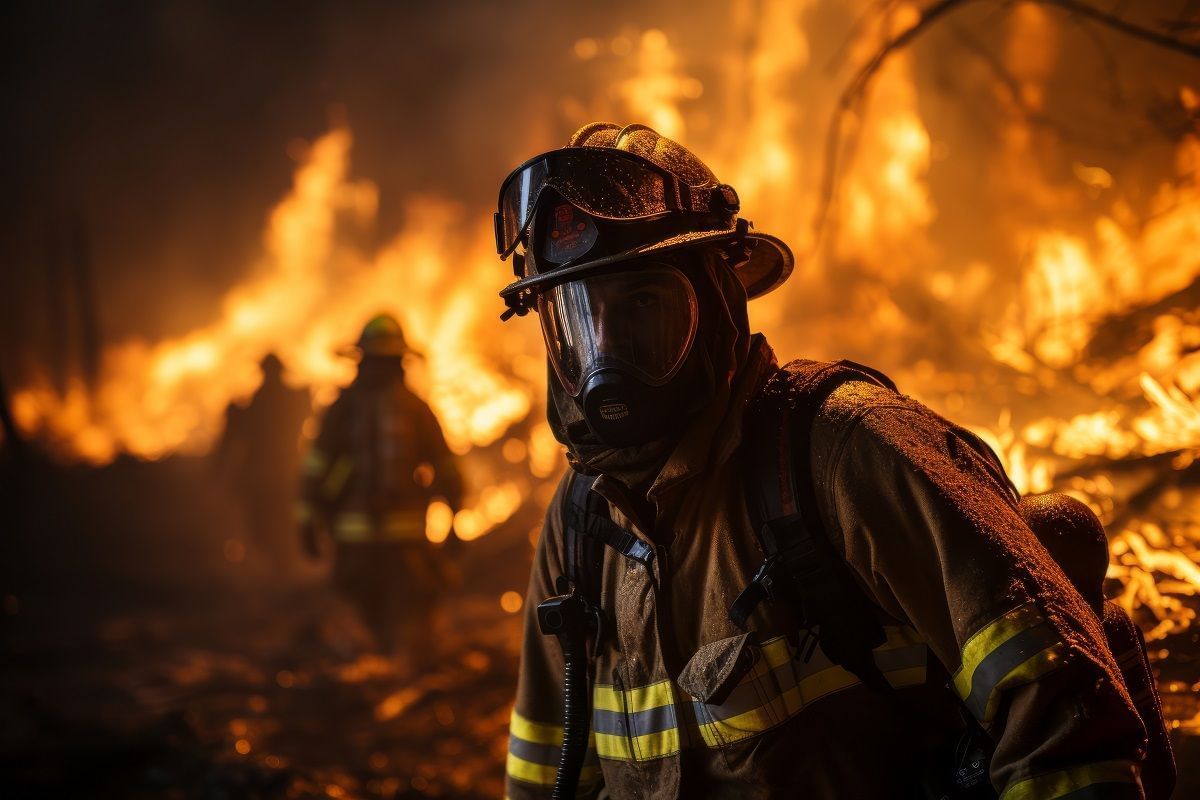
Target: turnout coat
978 617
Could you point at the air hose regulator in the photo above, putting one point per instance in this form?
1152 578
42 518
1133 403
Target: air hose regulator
570 618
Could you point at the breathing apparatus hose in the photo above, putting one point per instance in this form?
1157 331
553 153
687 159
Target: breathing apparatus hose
565 617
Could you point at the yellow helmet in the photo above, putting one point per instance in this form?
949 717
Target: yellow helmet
383 336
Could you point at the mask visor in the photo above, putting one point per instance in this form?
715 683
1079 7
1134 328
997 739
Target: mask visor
641 322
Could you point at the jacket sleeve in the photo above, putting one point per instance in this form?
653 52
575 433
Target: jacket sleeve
931 528
536 726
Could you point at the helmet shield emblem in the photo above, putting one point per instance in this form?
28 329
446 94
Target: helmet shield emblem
572 233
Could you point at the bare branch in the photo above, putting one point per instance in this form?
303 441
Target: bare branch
1159 38
852 99
853 96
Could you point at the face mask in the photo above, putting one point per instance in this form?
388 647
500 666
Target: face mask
618 343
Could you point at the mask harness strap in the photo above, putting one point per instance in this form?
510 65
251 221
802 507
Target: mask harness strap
574 615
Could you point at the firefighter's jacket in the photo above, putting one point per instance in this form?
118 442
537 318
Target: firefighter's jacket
379 458
973 607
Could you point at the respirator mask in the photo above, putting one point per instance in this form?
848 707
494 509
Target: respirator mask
618 344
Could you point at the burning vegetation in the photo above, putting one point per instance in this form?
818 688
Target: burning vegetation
998 204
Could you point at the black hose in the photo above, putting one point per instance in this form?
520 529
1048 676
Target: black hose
566 617
575 723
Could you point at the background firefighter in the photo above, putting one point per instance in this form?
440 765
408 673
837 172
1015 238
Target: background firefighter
257 459
378 461
633 255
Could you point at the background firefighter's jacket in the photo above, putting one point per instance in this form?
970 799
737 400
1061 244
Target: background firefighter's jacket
931 531
379 459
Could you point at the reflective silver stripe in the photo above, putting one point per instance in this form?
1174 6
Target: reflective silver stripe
544 753
652 720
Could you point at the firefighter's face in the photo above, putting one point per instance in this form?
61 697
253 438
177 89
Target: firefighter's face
617 343
640 321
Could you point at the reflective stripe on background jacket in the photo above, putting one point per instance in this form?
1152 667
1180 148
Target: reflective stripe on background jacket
932 533
378 459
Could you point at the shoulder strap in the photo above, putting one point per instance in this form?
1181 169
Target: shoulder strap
801 566
587 530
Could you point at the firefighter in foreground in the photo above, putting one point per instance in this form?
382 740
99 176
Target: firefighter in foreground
377 463
758 581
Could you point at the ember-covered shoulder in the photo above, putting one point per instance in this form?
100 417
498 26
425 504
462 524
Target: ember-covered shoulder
841 413
861 422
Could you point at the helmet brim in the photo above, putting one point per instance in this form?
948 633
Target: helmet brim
770 263
357 352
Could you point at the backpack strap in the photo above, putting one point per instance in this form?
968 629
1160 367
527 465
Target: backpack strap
801 568
587 530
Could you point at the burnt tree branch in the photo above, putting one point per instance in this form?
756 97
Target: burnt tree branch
1159 38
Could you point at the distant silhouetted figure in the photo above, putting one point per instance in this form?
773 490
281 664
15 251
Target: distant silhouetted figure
378 462
258 456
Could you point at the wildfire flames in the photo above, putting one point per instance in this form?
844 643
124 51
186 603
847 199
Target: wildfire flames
1069 337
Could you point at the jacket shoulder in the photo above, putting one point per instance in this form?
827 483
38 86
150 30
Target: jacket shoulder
831 390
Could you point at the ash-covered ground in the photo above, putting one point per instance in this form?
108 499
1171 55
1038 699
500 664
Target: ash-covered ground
140 661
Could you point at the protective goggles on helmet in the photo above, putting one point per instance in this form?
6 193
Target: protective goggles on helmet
606 183
639 322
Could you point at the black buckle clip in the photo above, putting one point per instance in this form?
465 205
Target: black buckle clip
569 617
761 587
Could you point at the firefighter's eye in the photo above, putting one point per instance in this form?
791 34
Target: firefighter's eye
644 300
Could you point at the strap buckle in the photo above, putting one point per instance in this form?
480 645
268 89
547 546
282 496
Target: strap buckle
761 587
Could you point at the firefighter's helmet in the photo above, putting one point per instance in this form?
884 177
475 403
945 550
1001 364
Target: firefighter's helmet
615 194
383 336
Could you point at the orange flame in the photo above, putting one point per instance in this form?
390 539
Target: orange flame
1028 316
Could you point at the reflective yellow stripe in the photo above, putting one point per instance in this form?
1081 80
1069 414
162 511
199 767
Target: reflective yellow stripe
1015 649
355 526
640 724
1062 784
613 746
621 718
988 638
332 486
522 770
530 731
314 463
778 687
404 526
352 527
640 698
647 747
529 740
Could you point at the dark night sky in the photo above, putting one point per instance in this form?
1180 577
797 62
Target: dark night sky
164 126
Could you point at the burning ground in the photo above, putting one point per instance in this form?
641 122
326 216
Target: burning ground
996 203
198 670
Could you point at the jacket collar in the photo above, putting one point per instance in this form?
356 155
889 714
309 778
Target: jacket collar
714 437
